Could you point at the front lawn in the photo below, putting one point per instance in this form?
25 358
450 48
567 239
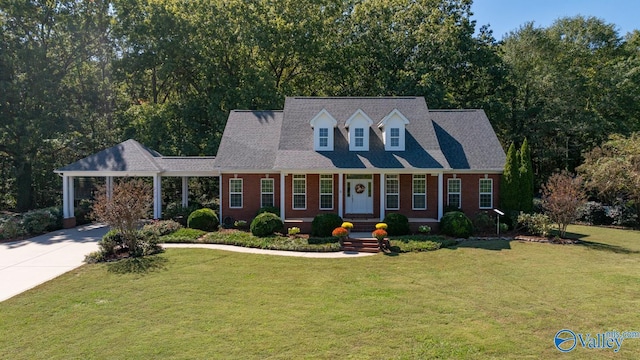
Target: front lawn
477 300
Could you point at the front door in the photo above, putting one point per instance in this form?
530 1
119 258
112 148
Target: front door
359 195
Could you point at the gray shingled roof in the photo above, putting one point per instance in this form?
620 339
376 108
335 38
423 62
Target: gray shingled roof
132 157
250 140
448 140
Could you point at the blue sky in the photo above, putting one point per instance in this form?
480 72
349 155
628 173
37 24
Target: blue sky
508 15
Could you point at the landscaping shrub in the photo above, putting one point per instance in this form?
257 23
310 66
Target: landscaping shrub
269 209
266 224
594 213
174 211
113 245
10 228
536 224
203 219
83 211
323 224
397 224
162 227
39 221
456 224
623 215
110 243
483 222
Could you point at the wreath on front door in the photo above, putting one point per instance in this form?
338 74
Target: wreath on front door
360 188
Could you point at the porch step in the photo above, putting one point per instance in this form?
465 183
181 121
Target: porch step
360 245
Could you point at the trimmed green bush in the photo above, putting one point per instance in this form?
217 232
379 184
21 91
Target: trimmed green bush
269 209
266 224
484 222
40 221
536 224
323 224
203 219
397 224
456 224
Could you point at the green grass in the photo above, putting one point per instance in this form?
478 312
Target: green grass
409 243
478 300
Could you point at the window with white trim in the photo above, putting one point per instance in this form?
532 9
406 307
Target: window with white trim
323 137
358 137
299 192
392 191
235 193
326 192
394 136
486 193
266 192
419 192
454 187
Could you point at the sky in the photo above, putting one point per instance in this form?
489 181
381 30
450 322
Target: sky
508 15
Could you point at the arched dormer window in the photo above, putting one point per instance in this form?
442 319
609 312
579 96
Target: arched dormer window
393 131
323 126
358 125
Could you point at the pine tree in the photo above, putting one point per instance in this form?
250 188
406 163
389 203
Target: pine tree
509 186
526 178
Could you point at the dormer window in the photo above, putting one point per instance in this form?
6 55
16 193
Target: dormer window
323 126
393 131
358 125
323 137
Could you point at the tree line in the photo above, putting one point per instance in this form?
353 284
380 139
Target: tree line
79 76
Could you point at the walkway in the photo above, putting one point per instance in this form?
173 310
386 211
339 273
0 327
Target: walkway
25 264
317 255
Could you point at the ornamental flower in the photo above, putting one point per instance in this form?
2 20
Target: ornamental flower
425 229
347 225
382 226
293 230
339 232
379 234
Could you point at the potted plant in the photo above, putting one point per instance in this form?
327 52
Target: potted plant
380 234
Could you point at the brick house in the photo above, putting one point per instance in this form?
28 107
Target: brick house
361 158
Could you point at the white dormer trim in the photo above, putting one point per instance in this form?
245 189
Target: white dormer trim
359 124
394 140
323 126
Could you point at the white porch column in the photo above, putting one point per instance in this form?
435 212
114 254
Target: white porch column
72 197
383 179
283 212
440 196
65 198
185 191
340 194
220 203
109 186
157 197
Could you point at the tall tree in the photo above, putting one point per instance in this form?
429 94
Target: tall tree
525 178
56 89
509 184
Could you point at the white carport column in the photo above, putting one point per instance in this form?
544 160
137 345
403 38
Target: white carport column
68 197
383 179
185 191
283 211
340 194
220 203
440 196
109 186
157 196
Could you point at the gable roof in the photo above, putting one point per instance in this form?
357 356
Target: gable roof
132 158
283 141
447 140
250 140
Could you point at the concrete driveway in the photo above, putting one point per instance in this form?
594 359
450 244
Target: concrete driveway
25 264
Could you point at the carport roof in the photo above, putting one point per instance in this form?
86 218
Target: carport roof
130 158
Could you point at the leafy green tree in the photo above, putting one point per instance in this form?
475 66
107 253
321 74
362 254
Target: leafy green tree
612 170
509 185
525 178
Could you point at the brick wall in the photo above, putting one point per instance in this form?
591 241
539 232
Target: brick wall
470 191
